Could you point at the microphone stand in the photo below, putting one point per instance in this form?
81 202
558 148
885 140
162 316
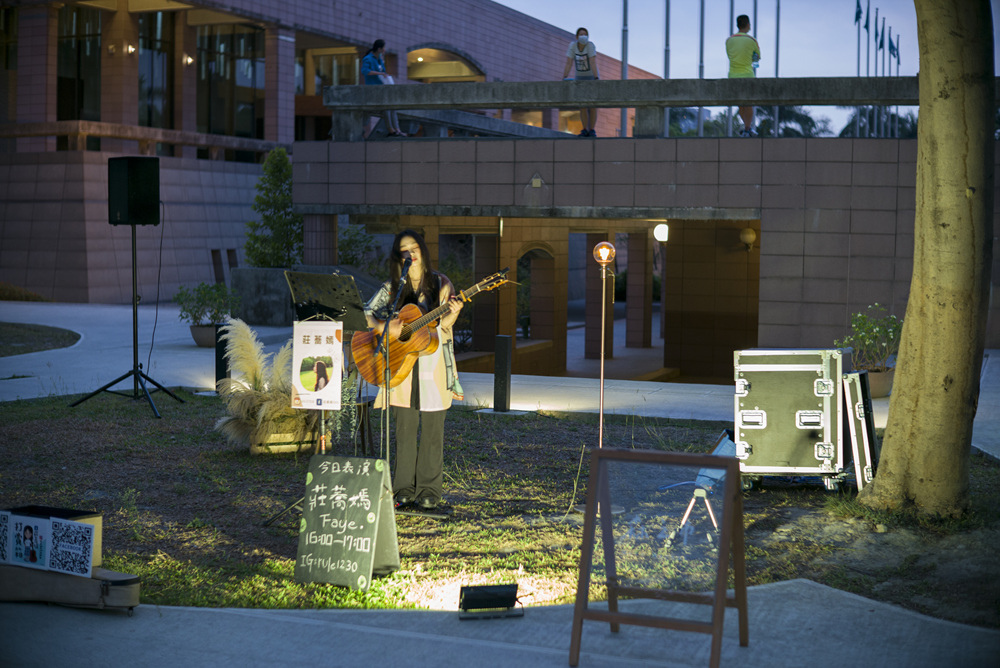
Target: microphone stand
382 342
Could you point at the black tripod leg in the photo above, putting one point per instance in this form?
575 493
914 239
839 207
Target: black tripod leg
102 389
297 505
160 387
141 377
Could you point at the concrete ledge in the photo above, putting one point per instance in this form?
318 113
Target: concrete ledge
376 211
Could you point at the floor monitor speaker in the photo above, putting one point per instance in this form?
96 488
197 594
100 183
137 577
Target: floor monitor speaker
134 191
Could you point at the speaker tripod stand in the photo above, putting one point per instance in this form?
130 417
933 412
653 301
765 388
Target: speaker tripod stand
139 378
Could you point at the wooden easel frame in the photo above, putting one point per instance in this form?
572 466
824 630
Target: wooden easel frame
731 540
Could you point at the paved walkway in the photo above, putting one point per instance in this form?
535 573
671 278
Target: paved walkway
792 623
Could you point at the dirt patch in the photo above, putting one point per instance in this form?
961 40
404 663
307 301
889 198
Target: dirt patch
952 576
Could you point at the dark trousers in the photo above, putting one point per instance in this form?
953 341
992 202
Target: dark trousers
419 468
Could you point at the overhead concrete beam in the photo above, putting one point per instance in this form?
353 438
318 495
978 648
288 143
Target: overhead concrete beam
838 91
380 212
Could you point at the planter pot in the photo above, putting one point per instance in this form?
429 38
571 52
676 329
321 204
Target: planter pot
280 444
880 382
203 335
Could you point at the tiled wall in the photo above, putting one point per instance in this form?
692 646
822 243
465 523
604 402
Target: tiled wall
835 229
59 244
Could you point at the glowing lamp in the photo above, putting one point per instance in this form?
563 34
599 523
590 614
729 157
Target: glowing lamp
661 232
604 253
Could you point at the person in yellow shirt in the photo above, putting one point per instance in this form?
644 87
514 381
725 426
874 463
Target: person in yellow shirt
743 52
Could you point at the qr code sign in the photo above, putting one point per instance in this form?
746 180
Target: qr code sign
72 547
4 537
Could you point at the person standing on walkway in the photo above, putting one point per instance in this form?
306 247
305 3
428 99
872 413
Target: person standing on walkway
582 56
743 52
421 400
373 71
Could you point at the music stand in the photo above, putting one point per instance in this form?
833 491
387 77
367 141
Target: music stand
331 297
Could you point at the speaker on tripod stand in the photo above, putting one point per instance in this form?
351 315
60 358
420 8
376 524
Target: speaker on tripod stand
133 199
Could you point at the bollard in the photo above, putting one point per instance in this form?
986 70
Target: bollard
221 366
501 373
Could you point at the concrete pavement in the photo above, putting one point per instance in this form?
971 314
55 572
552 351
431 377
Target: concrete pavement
792 623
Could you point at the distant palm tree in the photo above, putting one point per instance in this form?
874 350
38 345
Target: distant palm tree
792 122
907 124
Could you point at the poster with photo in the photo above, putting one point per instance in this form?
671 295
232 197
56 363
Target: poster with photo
29 541
72 547
317 364
4 537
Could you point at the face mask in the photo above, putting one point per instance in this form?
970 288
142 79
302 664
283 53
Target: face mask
582 39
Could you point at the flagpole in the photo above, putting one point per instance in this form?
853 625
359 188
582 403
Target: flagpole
857 110
777 42
890 74
624 111
666 64
729 110
881 46
876 113
868 62
701 64
897 74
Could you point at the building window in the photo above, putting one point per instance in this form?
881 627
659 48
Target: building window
78 88
318 68
231 80
8 65
156 70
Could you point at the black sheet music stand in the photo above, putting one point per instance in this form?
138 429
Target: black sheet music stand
331 297
334 296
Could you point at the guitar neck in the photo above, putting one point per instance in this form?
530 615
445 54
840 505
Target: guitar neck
431 316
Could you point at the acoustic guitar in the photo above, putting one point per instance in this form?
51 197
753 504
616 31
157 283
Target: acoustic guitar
418 337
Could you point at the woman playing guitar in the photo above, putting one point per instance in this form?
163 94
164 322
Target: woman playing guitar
421 399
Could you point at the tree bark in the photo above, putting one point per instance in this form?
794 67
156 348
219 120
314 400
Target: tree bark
925 453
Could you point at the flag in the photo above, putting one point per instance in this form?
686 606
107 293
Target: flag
897 54
881 39
868 12
893 52
857 13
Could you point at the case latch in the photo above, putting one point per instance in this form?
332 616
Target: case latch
743 450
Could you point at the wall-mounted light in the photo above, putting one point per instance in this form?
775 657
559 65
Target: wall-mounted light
129 49
661 232
111 49
188 60
747 237
420 59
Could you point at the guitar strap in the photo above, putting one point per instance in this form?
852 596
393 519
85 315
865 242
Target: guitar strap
450 367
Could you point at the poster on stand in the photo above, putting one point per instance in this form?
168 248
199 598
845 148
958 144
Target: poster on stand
317 364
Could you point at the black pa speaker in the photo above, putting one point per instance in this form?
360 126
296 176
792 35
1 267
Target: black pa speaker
134 191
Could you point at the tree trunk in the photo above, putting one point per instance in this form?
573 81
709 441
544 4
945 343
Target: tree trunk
925 454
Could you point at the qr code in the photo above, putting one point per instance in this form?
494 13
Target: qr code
4 537
72 547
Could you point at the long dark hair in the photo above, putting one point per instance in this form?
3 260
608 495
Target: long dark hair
379 43
430 284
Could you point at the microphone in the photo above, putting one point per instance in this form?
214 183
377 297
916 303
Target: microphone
406 268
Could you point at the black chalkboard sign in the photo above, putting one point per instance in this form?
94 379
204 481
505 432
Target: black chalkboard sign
348 529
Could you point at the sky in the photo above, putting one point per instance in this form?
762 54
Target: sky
817 37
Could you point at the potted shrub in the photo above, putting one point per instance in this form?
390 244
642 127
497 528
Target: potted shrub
258 398
874 340
205 306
